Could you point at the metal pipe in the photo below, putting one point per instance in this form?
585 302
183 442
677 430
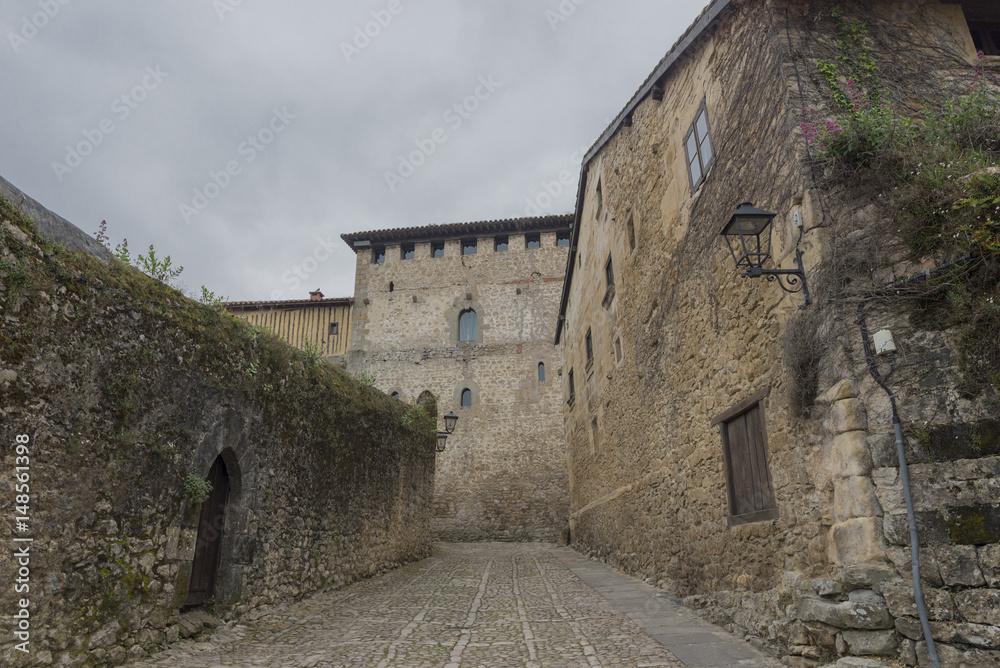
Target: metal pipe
904 472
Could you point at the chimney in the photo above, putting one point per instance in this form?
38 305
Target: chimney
316 296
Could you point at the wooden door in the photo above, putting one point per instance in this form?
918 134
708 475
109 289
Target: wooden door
751 493
209 546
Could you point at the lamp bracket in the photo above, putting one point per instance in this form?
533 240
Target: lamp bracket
790 280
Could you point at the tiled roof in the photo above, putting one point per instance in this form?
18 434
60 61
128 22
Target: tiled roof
688 37
346 301
457 230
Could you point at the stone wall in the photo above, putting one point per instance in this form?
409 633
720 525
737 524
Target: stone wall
503 474
126 390
682 338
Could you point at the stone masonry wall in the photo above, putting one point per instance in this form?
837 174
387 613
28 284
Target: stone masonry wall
125 389
682 338
503 475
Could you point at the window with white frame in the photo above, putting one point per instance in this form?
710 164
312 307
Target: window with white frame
698 148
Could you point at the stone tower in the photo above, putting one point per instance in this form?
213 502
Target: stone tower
467 312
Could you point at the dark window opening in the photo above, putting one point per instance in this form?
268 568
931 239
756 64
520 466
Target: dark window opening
572 388
334 329
986 37
467 325
618 349
600 199
631 233
590 346
466 398
500 244
532 241
609 273
562 238
698 148
378 256
437 249
407 251
744 453
469 247
392 286
541 372
395 395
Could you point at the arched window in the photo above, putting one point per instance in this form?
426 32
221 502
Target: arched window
541 372
467 325
466 398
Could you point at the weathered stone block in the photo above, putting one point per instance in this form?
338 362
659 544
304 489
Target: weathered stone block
854 497
850 455
974 525
883 450
863 610
856 541
979 605
877 643
845 389
958 657
958 565
989 564
867 576
847 415
932 527
899 597
859 662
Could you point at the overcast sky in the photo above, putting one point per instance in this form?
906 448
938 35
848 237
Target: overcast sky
242 137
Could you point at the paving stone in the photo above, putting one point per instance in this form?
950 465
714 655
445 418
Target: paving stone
479 604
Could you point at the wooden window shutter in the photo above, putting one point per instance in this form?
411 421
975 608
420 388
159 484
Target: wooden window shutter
745 455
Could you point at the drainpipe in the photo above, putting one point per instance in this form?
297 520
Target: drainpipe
904 473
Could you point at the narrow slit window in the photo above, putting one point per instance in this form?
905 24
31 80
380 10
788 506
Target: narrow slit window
541 372
609 273
590 346
572 388
631 234
466 398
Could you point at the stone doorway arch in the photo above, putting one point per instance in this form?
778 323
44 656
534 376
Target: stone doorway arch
211 527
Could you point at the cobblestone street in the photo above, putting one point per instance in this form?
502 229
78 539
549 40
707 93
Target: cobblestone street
480 604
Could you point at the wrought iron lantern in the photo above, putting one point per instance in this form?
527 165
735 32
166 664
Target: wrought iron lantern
748 235
442 439
450 420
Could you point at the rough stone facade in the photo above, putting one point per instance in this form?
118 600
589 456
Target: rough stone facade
680 339
503 474
127 391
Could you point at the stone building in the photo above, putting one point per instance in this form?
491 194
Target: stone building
317 321
466 312
734 447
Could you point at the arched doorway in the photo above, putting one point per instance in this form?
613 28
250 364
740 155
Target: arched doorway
208 548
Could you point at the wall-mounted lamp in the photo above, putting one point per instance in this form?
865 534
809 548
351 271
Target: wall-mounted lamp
748 234
442 439
449 422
